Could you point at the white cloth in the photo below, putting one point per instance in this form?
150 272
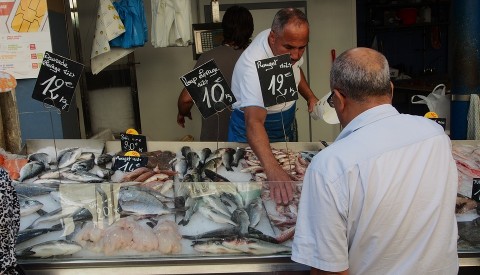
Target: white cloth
171 23
473 118
108 27
381 200
245 82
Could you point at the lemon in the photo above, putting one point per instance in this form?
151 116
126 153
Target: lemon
431 115
132 154
131 131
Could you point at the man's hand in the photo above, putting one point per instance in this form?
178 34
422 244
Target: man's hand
281 189
311 103
181 119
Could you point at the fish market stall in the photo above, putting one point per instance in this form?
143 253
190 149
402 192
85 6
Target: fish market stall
191 208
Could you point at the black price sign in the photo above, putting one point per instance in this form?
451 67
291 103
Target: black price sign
127 164
441 121
56 81
133 143
476 189
208 89
276 80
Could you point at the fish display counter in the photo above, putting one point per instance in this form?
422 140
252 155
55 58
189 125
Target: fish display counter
190 208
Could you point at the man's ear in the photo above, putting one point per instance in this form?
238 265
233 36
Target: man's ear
271 38
391 87
340 100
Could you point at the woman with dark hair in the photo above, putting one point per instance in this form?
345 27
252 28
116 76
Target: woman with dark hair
237 25
9 224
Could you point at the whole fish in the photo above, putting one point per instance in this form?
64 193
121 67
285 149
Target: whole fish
31 169
68 156
212 164
76 213
234 197
28 206
138 202
255 246
213 246
192 205
180 167
104 173
240 217
103 159
204 154
83 165
29 234
216 154
53 174
193 160
215 177
185 150
32 190
217 233
216 204
57 196
54 183
227 158
215 216
82 176
42 157
50 248
254 210
239 154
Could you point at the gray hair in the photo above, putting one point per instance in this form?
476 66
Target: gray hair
361 76
284 15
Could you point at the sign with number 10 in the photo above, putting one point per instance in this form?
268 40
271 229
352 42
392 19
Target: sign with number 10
208 89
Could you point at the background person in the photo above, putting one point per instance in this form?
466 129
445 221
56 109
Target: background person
237 25
381 198
9 224
251 121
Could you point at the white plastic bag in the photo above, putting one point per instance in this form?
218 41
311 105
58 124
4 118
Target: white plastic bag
437 101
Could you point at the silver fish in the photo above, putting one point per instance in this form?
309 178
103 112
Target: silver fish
216 154
32 190
28 206
254 210
104 173
213 246
42 157
31 169
255 246
57 196
215 177
239 154
50 248
217 205
193 160
53 174
185 150
227 158
240 216
212 164
83 165
139 202
82 176
54 215
103 159
29 234
192 205
215 216
204 154
181 167
68 156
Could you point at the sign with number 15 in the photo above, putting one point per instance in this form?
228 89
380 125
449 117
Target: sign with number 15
56 81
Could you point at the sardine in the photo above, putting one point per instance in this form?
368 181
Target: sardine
255 246
213 246
82 176
103 159
28 206
50 248
29 234
240 217
227 158
32 190
83 165
239 154
204 154
215 216
42 157
68 156
31 169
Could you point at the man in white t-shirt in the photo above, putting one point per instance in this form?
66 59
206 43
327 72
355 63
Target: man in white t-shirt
381 198
253 123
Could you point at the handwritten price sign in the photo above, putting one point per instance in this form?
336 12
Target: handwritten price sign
57 80
127 164
133 143
276 80
208 89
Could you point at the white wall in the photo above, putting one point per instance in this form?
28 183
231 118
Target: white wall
332 27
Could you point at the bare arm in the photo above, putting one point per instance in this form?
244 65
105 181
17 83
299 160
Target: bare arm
306 92
280 182
185 103
315 271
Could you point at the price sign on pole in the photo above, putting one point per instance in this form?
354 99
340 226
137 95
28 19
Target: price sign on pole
133 143
476 189
276 80
208 89
127 164
56 81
